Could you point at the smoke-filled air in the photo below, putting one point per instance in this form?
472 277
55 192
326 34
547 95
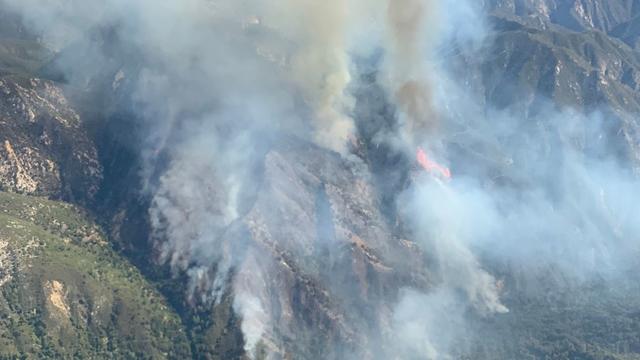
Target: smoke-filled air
335 178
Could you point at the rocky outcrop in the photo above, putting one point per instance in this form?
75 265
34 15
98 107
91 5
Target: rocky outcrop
44 148
321 266
335 262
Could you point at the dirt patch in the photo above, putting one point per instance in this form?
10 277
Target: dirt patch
5 266
56 296
22 181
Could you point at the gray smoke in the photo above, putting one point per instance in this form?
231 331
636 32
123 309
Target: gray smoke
534 192
216 79
219 79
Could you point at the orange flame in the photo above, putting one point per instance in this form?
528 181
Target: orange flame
431 166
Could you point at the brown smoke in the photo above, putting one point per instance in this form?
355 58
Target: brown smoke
410 28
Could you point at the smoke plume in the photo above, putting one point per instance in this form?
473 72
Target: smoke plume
320 65
214 84
411 31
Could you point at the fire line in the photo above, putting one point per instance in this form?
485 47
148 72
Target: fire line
431 166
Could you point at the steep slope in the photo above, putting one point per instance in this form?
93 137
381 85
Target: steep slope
316 266
334 262
527 70
573 14
629 32
44 148
64 293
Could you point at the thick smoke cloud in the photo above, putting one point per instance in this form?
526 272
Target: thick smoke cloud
529 193
214 82
550 206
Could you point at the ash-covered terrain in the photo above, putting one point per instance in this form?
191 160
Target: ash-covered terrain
386 179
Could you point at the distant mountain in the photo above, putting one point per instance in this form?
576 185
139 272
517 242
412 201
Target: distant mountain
527 67
603 15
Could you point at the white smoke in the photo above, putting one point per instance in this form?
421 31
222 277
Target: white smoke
249 289
448 218
565 211
220 76
537 192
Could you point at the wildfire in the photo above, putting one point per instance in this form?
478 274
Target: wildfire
431 166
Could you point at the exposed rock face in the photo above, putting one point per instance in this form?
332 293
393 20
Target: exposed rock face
44 149
321 266
332 261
